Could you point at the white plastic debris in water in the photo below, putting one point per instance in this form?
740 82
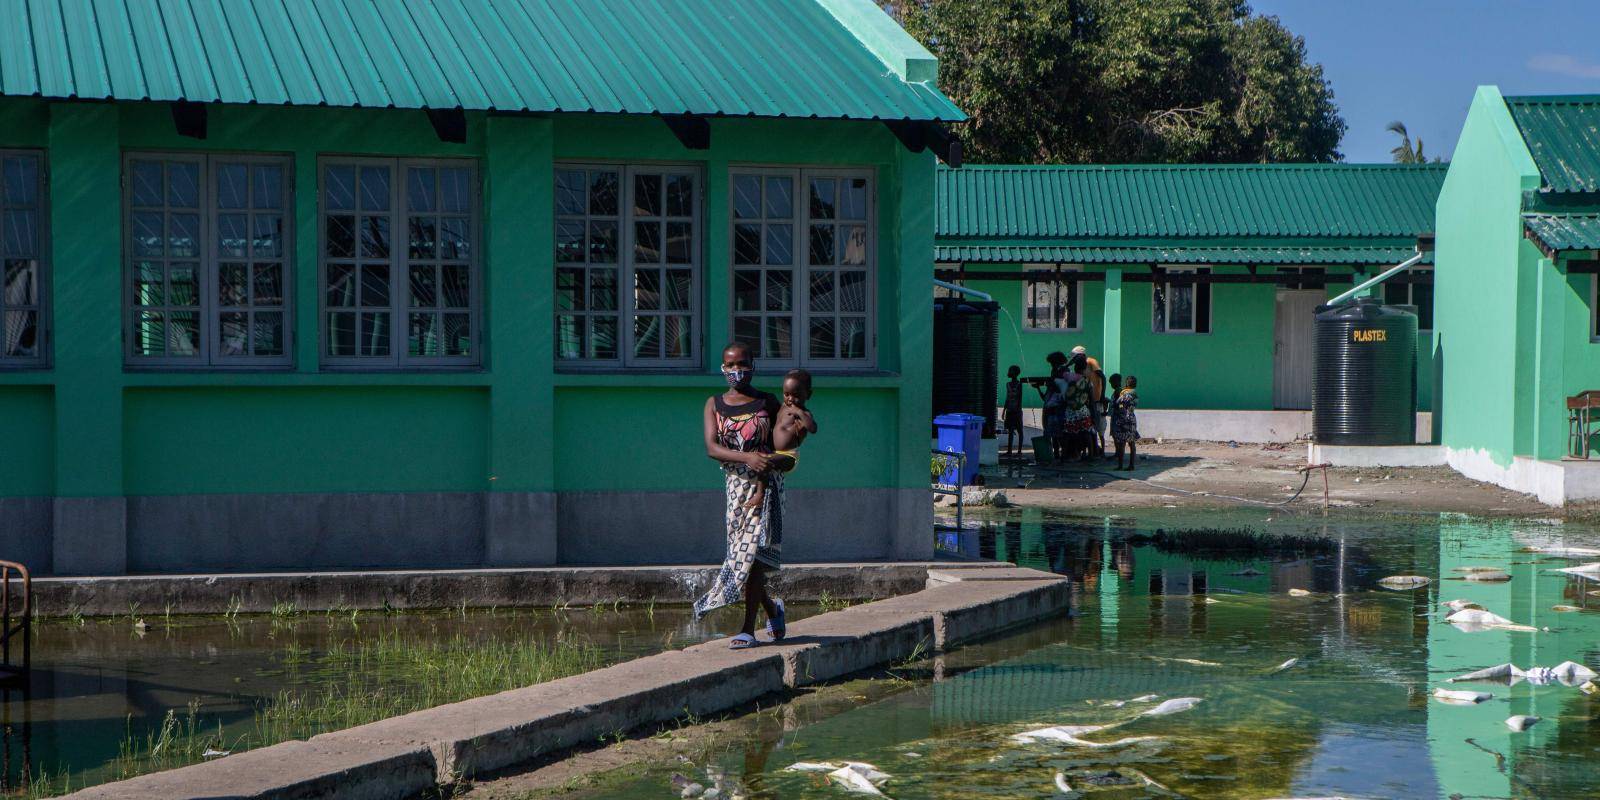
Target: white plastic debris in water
1298 593
1402 582
1454 696
213 753
1172 706
855 777
1567 672
1567 552
1286 665
1061 784
1521 722
1473 620
1592 569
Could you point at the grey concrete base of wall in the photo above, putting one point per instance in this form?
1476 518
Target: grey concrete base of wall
1228 425
1414 455
25 531
407 755
479 588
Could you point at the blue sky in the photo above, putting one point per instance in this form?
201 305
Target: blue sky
1418 61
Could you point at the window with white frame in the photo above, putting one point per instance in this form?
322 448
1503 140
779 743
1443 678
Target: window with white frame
208 260
1054 304
1417 293
1182 306
399 263
627 265
22 215
804 265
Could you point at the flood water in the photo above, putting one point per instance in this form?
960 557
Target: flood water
102 690
1212 614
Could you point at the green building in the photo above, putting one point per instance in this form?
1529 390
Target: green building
1200 279
1519 227
362 283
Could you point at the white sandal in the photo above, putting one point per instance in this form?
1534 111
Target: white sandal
743 641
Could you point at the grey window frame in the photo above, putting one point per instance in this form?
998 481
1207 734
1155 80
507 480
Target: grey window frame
1075 287
399 263
804 269
627 268
763 269
208 263
41 258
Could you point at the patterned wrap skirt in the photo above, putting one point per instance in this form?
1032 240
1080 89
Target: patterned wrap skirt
754 534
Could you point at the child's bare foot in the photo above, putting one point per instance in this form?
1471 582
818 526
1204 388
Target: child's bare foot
758 498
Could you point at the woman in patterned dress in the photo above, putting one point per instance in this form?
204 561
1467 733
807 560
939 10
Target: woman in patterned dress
738 434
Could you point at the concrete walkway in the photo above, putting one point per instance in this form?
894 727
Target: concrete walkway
260 593
405 756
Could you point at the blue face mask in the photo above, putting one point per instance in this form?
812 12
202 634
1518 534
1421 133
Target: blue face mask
738 377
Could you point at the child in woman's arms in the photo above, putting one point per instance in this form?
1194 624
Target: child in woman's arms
793 425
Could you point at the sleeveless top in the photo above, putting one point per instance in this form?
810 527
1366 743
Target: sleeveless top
747 427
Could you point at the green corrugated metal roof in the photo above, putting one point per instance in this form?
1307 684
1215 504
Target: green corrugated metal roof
1565 231
1188 201
768 58
1563 136
1021 254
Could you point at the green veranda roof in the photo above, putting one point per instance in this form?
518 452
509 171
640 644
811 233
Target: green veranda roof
765 58
1562 133
1565 231
1222 213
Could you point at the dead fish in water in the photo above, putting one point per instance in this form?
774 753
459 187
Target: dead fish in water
1143 698
1284 666
1502 672
1488 576
1565 552
1402 582
1474 620
1172 706
1568 673
1565 608
858 777
1459 697
1458 605
1476 569
1521 722
1247 572
1583 569
1298 593
1069 735
1061 784
1590 687
809 766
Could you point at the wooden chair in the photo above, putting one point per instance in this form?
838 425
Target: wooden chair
1580 420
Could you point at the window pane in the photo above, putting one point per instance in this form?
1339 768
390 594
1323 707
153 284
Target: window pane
269 285
233 186
746 290
570 187
183 185
183 235
150 334
780 197
822 337
457 334
675 336
424 233
746 197
680 196
680 242
341 234
267 336
647 337
647 290
231 235
1395 293
822 198
1041 299
19 334
183 286
146 177
569 289
268 185
424 287
374 188
341 285
457 284
374 334
235 333
374 285
603 193
422 338
780 245
679 289
1182 312
852 291
603 289
748 331
746 244
647 242
339 187
852 337
603 337
822 245
342 334
780 290
569 242
183 333
455 190
647 195
233 285
374 237
20 180
602 242
779 340
854 252
268 240
1422 298
570 337
21 282
1067 306
853 199
149 233
821 293
422 189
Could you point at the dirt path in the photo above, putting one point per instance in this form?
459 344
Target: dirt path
1188 474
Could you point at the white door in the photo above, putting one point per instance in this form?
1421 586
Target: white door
1294 348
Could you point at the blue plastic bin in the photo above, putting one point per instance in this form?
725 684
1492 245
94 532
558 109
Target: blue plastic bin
960 433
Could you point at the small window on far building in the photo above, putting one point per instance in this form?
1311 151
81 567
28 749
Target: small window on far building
1182 307
22 207
1418 293
1054 304
1303 285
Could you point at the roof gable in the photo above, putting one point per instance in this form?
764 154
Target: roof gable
1562 133
767 58
1056 204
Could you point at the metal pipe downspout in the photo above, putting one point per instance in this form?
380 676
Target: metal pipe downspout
1386 275
984 296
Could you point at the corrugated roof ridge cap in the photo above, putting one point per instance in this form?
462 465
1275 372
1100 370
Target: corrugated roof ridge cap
1554 99
1309 166
885 39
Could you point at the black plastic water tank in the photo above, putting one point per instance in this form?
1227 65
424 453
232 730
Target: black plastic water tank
966 340
1366 374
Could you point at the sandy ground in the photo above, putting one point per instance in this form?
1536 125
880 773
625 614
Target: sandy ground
1190 474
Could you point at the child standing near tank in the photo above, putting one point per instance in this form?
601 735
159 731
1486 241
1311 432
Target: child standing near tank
1124 419
1013 410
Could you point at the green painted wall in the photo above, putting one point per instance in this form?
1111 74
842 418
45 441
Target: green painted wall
1483 299
1229 368
517 424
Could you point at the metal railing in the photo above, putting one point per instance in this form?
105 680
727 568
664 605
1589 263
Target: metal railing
15 622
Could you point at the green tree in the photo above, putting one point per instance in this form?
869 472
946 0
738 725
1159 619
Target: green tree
1075 81
1405 152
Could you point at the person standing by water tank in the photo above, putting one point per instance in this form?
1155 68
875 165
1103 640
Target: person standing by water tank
1013 410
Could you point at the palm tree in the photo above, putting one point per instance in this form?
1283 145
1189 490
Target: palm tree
1403 152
